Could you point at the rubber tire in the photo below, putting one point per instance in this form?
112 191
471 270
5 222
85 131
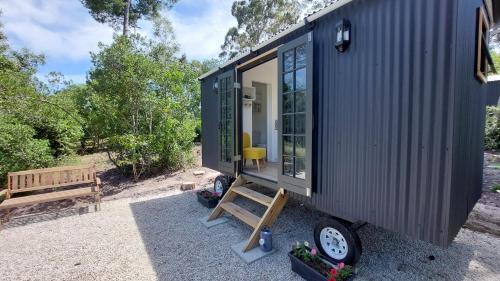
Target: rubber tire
225 184
353 242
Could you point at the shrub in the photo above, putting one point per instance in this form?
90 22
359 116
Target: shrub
19 150
492 130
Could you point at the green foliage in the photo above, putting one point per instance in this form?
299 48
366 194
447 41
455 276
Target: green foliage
257 20
113 11
19 150
492 131
39 123
344 273
496 60
146 102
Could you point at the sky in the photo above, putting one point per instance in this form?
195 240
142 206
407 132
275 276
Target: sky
65 33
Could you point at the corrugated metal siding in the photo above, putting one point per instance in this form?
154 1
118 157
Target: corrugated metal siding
209 125
392 115
383 115
493 92
470 100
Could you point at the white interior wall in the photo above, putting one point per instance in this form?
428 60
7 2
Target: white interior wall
265 73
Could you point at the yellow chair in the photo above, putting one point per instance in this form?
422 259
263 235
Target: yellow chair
256 154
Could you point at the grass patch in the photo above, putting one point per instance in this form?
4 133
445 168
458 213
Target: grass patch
494 166
496 188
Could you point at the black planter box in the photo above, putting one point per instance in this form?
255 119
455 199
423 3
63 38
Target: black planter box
304 270
209 203
307 272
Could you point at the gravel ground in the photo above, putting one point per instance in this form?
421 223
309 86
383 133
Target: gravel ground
159 237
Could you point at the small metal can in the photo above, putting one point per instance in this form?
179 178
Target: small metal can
266 240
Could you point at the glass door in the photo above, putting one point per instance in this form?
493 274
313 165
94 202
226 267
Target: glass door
227 104
295 114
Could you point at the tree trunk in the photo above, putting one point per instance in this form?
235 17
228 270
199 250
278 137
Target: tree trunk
126 14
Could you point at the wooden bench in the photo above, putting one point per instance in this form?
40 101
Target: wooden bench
50 180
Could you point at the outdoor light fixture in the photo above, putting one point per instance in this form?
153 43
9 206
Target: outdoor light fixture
343 32
216 85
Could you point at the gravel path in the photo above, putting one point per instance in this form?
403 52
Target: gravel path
160 238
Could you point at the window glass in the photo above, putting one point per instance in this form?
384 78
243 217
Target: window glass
287 145
288 59
300 60
300 167
288 166
294 112
301 79
300 102
288 82
300 123
288 124
300 146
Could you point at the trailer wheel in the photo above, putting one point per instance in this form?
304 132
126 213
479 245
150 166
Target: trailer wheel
221 185
337 241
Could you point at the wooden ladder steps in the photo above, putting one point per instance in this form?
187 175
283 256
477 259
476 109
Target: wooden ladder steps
253 195
239 188
241 213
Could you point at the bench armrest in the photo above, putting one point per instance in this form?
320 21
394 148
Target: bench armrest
5 192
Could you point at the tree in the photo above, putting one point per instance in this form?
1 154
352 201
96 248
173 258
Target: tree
260 19
143 104
256 21
39 125
125 13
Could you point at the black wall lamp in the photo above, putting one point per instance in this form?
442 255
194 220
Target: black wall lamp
216 85
343 35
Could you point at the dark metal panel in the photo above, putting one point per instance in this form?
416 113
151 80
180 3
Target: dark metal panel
493 93
209 117
384 115
468 134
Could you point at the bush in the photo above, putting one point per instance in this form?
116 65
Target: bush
492 131
19 150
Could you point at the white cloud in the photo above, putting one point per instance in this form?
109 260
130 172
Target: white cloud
60 29
201 31
64 30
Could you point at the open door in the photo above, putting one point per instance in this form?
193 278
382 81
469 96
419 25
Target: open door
295 105
227 106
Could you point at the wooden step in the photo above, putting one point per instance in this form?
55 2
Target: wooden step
241 213
253 195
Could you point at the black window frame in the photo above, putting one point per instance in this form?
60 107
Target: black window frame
294 183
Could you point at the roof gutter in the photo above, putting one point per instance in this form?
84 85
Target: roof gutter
282 34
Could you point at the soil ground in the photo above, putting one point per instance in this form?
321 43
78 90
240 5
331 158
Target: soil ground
484 218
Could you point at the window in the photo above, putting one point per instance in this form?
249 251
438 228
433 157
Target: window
483 57
226 103
294 111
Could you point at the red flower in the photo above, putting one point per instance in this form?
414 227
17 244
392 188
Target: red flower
331 279
333 272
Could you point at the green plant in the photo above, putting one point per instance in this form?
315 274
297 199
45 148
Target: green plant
496 188
19 150
492 130
313 258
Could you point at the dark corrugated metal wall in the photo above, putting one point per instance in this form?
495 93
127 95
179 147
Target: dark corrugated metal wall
493 93
384 108
470 100
392 115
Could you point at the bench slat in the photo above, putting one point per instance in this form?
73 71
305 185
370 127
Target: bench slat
47 197
50 170
49 186
22 181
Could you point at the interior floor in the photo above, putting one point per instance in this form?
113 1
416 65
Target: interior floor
268 171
